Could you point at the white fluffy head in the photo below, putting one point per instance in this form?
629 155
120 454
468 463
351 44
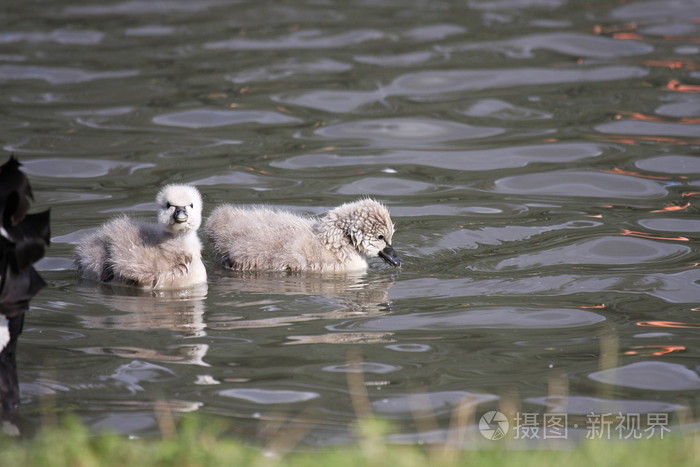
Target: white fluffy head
179 208
367 226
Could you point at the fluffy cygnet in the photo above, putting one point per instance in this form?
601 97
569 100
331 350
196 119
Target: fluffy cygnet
166 255
265 239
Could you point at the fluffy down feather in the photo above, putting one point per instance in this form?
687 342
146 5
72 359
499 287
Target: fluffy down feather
166 255
265 239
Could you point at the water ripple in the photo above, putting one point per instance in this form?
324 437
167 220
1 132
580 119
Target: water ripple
386 186
466 160
678 287
606 250
572 44
59 75
404 60
657 376
510 5
434 32
289 68
401 132
586 405
248 180
445 83
680 109
502 110
132 375
634 127
426 83
491 235
269 396
409 347
671 164
657 10
471 318
306 39
331 101
78 168
201 118
141 7
362 367
59 36
581 184
153 30
437 402
681 226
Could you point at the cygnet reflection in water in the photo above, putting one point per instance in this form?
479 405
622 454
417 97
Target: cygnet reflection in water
347 295
265 239
166 255
180 311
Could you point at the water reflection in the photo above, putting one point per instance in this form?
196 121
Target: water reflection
435 403
192 354
398 132
348 296
181 311
59 36
613 251
79 168
59 75
214 118
580 405
444 85
633 127
269 396
682 165
496 108
659 376
489 317
587 184
288 69
462 160
572 44
140 7
308 39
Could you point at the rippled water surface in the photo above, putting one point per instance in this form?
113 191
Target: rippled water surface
539 159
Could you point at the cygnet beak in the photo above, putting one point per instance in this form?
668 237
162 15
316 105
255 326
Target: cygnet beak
389 255
180 214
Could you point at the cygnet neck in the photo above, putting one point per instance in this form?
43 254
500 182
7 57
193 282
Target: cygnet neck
336 239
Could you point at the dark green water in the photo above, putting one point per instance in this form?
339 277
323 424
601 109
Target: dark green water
539 158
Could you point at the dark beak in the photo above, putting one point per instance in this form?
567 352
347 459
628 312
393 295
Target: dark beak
389 255
180 214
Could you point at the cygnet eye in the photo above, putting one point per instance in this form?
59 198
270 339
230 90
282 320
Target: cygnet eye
168 205
381 237
191 205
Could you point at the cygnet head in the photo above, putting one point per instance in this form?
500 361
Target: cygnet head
179 208
367 226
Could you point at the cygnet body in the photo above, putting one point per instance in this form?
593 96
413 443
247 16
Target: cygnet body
265 239
166 255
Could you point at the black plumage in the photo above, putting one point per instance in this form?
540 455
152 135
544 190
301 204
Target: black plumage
24 238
